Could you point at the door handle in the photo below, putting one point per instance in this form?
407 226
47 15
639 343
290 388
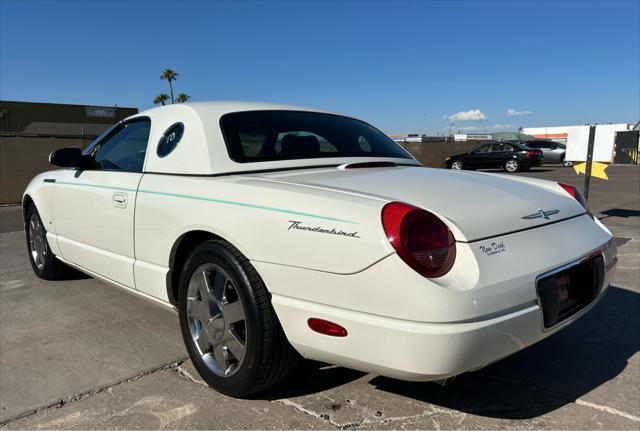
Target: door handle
119 200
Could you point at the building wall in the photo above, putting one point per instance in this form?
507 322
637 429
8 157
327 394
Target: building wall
21 158
561 133
30 131
58 119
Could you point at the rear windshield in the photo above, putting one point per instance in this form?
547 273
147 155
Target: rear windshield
259 136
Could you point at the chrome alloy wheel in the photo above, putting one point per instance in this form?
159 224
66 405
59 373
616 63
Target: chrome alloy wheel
37 241
216 319
457 165
511 165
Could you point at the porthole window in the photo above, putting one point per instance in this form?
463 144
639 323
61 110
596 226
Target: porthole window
170 139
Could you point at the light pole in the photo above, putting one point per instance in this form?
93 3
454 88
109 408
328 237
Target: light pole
450 126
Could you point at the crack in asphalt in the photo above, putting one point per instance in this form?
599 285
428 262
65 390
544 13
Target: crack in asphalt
322 416
607 409
431 413
82 395
184 373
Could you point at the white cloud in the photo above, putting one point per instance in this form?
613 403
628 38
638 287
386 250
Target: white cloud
472 115
503 126
513 113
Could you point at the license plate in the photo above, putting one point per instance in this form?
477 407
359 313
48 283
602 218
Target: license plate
564 293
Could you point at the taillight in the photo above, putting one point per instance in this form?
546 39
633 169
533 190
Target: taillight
420 238
532 153
575 193
327 328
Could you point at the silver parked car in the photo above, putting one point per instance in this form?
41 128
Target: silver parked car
552 152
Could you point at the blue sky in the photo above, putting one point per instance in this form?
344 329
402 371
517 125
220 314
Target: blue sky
405 67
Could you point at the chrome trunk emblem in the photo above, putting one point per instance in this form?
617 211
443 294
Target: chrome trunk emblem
541 214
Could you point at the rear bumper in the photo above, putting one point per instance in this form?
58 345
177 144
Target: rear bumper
410 350
531 162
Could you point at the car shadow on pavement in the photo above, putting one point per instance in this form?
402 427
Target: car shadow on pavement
502 171
619 212
310 377
71 274
547 375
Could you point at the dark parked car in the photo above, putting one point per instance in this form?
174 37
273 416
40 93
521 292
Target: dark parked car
552 152
510 156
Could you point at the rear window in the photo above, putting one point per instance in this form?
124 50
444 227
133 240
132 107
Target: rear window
258 136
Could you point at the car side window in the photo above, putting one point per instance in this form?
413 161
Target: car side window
124 148
483 149
507 147
497 147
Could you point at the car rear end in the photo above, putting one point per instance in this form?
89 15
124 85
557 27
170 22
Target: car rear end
529 157
451 299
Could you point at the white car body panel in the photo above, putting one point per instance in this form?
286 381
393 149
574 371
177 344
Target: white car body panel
93 229
447 195
485 308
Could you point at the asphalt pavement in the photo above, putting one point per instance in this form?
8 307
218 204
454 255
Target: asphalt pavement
80 354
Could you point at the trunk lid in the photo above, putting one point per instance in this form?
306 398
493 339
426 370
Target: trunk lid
478 205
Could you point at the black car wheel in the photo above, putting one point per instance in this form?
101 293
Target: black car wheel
511 165
231 332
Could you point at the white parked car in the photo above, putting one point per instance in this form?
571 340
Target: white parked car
278 231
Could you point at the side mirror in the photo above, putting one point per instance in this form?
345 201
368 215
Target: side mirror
69 158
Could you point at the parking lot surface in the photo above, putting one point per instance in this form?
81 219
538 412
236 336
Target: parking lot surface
80 354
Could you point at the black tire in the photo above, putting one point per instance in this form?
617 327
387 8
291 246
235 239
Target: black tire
511 165
268 357
48 268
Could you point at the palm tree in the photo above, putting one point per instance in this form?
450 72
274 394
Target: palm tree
170 76
181 98
161 98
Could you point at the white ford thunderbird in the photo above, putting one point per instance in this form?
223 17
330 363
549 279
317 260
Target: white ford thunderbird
278 232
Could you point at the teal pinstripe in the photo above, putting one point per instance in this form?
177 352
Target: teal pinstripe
218 201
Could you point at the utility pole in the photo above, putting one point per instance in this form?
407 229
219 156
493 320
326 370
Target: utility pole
587 172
